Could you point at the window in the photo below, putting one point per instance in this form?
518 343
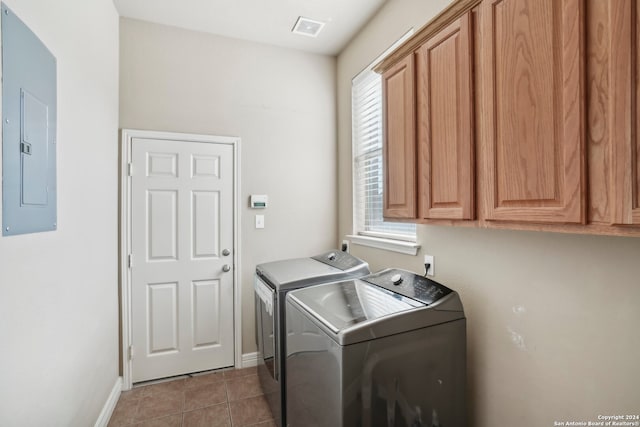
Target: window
366 101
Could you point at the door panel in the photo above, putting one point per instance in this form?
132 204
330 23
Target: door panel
162 164
182 219
206 313
625 75
445 131
162 317
399 147
205 166
162 212
206 224
533 109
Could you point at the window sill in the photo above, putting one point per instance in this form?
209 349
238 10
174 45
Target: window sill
408 248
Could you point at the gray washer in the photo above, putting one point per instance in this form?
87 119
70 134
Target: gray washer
273 281
385 350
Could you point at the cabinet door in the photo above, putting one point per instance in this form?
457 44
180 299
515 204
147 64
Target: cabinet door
625 98
532 116
445 124
399 141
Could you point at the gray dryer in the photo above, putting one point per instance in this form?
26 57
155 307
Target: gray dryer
272 282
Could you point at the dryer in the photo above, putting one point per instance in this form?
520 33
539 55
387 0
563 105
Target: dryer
273 280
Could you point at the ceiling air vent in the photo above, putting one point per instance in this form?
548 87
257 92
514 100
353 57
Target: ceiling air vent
307 27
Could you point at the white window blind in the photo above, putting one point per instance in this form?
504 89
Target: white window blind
366 102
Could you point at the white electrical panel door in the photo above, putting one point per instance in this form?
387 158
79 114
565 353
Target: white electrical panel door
182 257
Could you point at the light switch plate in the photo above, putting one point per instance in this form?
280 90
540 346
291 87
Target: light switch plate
259 221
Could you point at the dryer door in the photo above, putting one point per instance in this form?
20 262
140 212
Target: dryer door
265 326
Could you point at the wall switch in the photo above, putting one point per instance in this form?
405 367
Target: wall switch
345 246
259 221
429 259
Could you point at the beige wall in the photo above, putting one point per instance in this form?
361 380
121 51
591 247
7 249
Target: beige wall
281 103
552 318
59 289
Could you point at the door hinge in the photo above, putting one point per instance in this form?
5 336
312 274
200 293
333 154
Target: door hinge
130 260
130 351
129 169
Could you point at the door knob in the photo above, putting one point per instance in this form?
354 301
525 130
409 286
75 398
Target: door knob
225 252
226 268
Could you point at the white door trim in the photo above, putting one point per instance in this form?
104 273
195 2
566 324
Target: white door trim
126 136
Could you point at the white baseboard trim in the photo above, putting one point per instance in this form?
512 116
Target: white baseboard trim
249 359
110 404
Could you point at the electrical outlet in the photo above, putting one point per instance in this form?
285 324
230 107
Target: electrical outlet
345 246
429 259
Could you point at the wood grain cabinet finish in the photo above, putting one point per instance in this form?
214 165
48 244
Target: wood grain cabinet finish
445 123
546 134
625 99
399 152
532 110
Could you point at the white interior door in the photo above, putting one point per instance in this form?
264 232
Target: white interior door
182 257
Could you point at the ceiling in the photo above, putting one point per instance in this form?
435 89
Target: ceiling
264 21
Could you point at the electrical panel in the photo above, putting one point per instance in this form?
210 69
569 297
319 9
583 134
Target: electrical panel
28 130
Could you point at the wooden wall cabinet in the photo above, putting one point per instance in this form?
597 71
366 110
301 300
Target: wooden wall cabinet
625 100
399 136
532 113
526 115
445 123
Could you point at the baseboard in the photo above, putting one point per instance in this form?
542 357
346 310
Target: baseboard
110 404
249 359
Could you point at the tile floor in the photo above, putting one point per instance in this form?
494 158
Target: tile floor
221 398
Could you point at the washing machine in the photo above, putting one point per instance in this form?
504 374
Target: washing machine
273 281
388 349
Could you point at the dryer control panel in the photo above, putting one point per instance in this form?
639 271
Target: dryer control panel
409 284
338 259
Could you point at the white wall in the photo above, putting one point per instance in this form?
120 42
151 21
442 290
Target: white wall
59 290
280 102
552 318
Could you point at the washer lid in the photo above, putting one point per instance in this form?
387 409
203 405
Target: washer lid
299 272
356 310
342 305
